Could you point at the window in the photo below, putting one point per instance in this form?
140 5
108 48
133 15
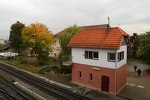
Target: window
79 74
120 56
91 55
111 57
91 77
95 55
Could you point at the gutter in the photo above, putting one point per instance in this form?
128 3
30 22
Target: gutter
116 71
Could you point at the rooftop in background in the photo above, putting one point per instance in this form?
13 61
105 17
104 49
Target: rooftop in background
87 27
98 37
2 41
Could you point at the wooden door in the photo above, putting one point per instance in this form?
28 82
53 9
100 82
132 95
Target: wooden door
105 83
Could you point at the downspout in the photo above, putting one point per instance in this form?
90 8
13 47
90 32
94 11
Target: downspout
116 71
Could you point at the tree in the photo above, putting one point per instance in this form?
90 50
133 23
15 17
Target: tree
39 39
142 47
15 37
64 38
1 47
145 41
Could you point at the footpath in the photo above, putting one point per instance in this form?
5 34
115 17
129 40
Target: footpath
138 87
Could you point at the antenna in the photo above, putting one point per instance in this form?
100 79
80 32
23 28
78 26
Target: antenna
108 21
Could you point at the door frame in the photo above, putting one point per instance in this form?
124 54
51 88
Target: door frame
105 80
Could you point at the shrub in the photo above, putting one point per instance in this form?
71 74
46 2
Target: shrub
27 60
64 69
48 69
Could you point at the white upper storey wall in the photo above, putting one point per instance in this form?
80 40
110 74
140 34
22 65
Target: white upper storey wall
78 56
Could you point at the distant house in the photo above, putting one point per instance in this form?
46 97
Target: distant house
99 58
56 44
2 41
56 48
131 43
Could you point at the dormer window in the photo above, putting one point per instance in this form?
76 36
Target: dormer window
91 55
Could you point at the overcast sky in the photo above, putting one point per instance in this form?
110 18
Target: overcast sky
131 15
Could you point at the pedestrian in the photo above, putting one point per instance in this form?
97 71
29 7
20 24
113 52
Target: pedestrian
139 72
135 67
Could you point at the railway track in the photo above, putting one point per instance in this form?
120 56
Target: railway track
11 92
51 89
5 96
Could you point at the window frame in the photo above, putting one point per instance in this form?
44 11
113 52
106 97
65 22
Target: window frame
90 77
108 57
91 55
79 75
120 56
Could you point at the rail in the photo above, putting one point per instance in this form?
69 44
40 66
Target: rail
51 89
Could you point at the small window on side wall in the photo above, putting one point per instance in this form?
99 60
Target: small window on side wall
111 57
91 77
120 56
79 74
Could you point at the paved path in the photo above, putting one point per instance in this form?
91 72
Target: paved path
138 88
140 65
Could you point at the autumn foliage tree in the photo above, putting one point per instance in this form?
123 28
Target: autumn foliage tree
39 39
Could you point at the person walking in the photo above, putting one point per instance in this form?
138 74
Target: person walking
135 67
139 72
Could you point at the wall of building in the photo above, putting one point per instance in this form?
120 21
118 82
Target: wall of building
124 61
56 49
121 77
2 41
79 57
97 76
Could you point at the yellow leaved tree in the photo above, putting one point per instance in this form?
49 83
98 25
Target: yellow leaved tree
39 39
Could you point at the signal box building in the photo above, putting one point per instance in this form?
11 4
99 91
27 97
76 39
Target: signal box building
99 58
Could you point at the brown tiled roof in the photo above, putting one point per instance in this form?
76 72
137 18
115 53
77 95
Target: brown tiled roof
86 27
98 38
94 26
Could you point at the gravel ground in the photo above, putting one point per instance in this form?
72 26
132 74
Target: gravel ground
131 90
9 78
60 79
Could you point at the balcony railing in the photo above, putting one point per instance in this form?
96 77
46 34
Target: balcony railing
67 60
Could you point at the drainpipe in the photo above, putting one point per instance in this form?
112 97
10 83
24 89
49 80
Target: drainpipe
116 59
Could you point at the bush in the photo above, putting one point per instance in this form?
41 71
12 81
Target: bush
60 70
27 60
48 69
64 69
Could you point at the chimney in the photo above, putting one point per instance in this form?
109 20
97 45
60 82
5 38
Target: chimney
108 22
108 25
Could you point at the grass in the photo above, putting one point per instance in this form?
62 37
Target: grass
27 67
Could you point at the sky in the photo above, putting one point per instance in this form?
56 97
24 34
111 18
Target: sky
133 16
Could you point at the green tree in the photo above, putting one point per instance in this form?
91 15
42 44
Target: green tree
146 47
142 47
15 37
39 39
1 47
64 39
